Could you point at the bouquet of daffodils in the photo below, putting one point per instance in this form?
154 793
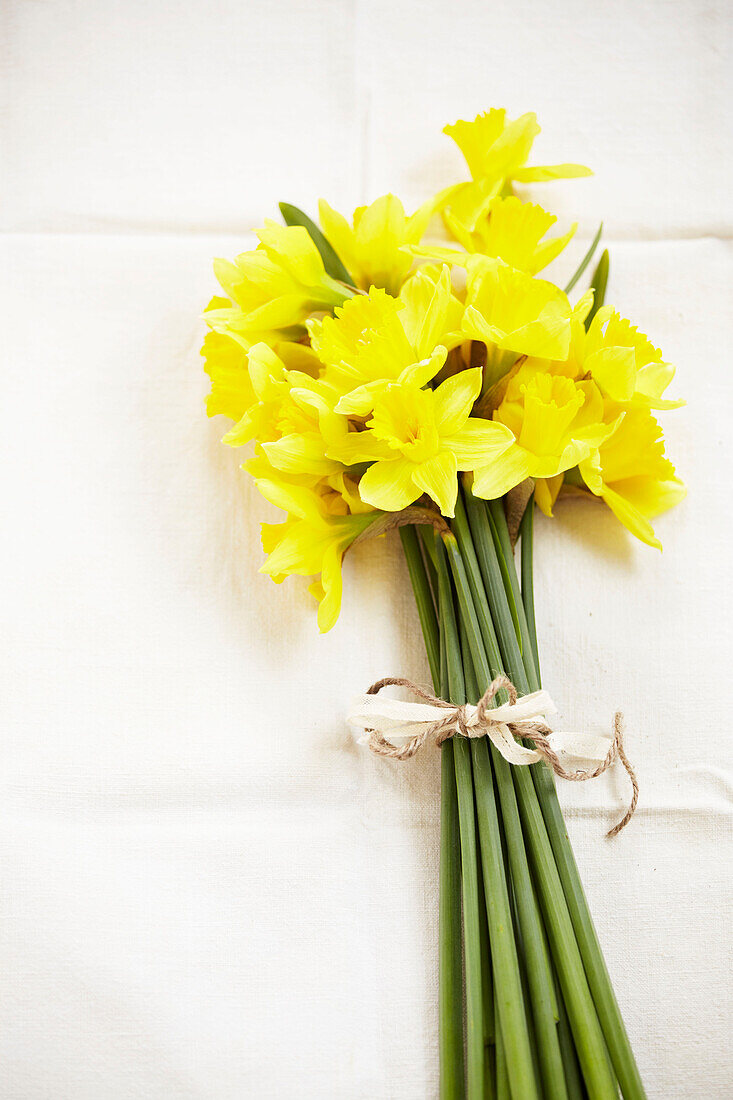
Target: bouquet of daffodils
416 372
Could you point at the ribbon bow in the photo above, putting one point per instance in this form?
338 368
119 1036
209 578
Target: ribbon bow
506 726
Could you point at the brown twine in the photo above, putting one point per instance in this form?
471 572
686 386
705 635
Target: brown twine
456 722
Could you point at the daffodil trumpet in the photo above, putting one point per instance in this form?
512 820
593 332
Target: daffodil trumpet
424 370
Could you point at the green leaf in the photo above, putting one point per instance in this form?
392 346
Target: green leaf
586 260
333 265
599 284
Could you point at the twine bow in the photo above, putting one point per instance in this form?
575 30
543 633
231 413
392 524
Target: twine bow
506 726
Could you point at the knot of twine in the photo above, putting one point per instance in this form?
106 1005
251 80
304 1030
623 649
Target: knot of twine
469 721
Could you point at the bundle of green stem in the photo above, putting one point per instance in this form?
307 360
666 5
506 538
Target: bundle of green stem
527 1010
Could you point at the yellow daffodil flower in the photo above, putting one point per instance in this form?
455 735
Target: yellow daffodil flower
417 441
374 339
271 409
555 422
622 361
372 248
275 288
496 152
311 542
513 314
631 473
233 393
292 420
225 362
510 230
338 490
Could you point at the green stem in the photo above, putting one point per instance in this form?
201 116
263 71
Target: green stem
450 995
487 978
502 1069
450 963
573 1079
586 1028
508 645
526 533
423 599
607 1008
473 574
507 978
469 852
528 640
544 1007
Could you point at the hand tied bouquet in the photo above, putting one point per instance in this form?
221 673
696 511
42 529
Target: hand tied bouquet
439 385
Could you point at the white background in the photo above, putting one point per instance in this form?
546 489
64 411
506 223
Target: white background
209 893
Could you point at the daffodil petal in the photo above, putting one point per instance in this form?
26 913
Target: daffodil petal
291 498
543 173
331 586
614 371
440 253
438 477
455 398
546 490
297 552
360 401
649 496
631 517
293 247
358 447
389 485
419 374
496 479
479 442
300 453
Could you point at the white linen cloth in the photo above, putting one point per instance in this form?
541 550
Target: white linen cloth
197 865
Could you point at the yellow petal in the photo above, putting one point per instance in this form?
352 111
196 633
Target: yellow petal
292 247
356 447
440 253
388 485
374 248
420 373
226 365
339 234
364 342
491 145
543 173
331 585
631 517
479 443
300 453
546 490
614 370
299 551
299 501
454 400
650 496
513 232
515 311
496 479
583 306
431 313
438 477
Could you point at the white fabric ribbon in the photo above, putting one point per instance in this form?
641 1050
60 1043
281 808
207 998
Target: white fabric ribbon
400 720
